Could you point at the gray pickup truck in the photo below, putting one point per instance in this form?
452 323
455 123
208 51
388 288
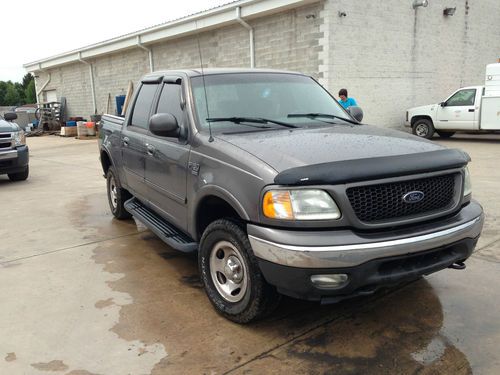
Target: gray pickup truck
282 191
14 154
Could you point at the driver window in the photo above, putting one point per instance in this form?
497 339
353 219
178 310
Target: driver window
462 98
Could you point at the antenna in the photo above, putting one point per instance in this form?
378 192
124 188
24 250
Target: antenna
210 139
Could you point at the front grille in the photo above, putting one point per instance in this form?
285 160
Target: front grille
5 145
384 202
5 135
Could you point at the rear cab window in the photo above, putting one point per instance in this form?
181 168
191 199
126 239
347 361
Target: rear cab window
142 106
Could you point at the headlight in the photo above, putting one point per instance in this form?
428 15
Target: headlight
467 182
309 204
19 138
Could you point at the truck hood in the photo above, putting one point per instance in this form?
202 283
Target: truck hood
6 127
288 148
423 110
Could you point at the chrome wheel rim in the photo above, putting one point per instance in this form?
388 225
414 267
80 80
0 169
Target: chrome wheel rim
421 130
228 271
113 195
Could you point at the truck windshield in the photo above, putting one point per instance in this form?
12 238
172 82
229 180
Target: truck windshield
280 97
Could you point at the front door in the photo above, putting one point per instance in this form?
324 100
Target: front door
458 112
167 160
133 140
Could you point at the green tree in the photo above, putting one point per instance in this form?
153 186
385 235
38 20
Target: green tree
12 96
30 93
3 91
26 80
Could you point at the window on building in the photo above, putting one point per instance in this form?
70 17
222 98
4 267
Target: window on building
462 98
142 106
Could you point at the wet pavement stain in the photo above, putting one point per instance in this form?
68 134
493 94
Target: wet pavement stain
104 303
55 365
379 338
10 357
81 372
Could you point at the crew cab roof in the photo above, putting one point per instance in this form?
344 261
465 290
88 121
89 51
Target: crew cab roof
157 76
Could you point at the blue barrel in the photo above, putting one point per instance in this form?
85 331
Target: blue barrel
70 123
120 101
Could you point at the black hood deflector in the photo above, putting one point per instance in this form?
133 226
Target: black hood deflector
342 172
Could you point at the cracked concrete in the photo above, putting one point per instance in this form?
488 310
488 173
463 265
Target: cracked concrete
85 294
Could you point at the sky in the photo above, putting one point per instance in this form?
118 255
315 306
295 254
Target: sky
39 30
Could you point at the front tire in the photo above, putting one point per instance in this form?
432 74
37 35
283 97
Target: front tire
117 196
231 275
423 128
21 176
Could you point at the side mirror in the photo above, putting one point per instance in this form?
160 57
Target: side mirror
356 112
442 104
164 125
10 116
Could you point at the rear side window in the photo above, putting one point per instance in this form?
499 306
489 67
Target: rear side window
170 101
142 107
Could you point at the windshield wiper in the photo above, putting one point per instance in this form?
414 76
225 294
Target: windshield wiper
326 115
256 120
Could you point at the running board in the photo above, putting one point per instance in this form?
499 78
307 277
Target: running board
162 228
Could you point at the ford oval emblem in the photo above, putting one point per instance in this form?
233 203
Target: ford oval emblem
413 197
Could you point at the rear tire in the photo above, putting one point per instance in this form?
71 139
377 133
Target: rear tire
117 196
21 176
231 275
445 134
423 128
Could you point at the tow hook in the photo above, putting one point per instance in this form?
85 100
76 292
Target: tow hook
458 266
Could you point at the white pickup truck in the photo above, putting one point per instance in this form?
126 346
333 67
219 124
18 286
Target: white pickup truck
469 109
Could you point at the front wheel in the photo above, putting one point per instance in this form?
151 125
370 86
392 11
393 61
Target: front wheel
423 128
117 196
21 176
231 275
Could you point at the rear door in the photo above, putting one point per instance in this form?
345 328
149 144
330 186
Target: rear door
133 141
167 158
458 112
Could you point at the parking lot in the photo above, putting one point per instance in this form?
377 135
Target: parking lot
82 293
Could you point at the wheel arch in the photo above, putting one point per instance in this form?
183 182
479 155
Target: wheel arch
106 160
214 203
415 118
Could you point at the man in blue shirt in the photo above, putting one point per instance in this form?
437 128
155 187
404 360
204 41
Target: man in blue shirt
345 101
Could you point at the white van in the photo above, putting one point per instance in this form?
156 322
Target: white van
469 109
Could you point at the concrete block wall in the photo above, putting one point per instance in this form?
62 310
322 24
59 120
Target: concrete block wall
288 40
391 57
73 82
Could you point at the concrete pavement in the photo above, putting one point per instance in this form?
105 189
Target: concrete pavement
82 293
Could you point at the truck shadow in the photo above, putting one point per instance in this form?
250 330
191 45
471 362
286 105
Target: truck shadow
470 138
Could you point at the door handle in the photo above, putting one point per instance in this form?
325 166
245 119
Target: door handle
125 141
150 149
471 110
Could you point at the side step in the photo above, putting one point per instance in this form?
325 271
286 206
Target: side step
162 228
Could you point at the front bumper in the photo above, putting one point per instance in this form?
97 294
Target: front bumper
14 160
288 258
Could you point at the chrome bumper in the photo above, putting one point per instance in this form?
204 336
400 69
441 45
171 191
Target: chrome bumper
363 250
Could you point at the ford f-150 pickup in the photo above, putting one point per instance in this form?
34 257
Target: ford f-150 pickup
282 191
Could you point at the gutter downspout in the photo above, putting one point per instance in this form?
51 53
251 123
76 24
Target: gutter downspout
250 30
150 53
91 72
38 92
